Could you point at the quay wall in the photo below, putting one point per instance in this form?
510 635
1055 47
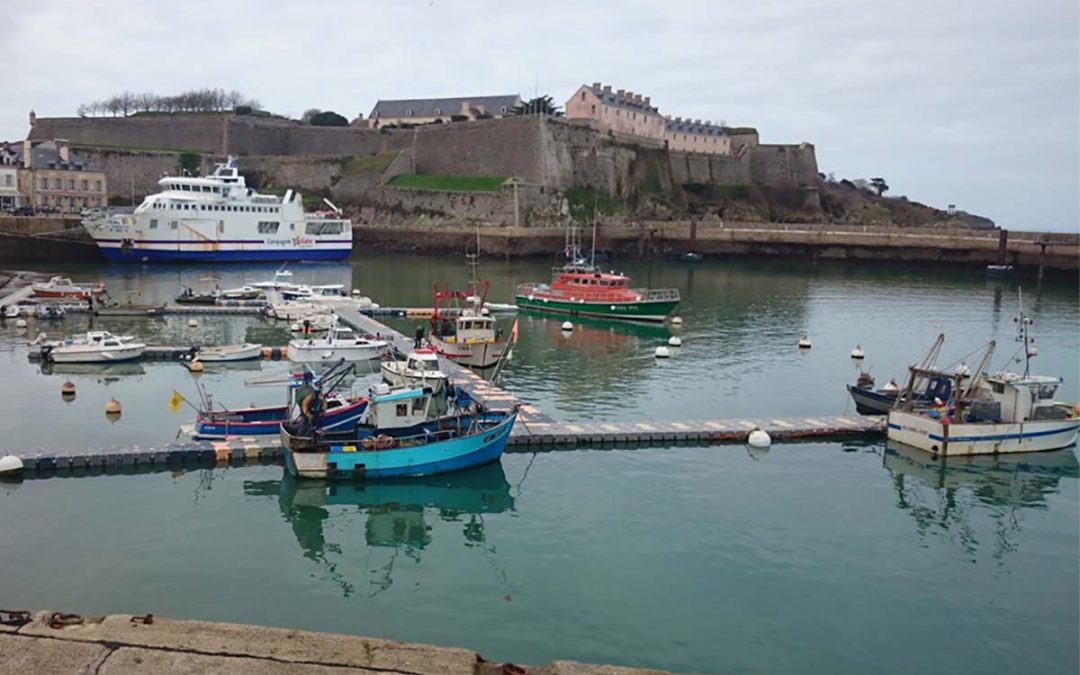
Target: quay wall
123 643
825 242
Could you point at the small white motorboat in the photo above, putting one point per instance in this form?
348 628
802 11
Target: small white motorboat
339 343
291 310
93 347
245 352
282 280
245 292
62 287
420 369
315 323
11 311
315 293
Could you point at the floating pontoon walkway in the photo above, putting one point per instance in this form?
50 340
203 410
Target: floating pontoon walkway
526 437
534 430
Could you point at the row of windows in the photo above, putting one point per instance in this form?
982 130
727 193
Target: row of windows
598 282
165 204
70 202
184 187
271 227
58 184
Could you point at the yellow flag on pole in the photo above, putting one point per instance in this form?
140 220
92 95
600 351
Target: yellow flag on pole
175 401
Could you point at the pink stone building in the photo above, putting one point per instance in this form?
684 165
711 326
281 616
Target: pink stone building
621 111
696 136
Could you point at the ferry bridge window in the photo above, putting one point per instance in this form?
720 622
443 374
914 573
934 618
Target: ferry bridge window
172 224
268 227
153 223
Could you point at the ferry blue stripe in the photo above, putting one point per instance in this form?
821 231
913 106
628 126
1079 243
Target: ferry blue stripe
192 242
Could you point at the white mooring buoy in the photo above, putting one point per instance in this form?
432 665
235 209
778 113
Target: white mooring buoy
858 352
804 343
758 438
21 323
676 321
567 326
193 323
10 464
662 352
674 341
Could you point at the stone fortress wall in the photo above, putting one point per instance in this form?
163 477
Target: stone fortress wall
547 154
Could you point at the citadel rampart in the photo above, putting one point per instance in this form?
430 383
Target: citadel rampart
551 152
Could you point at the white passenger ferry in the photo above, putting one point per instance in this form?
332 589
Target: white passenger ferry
219 218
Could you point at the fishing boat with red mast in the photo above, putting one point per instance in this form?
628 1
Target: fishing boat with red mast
579 288
461 328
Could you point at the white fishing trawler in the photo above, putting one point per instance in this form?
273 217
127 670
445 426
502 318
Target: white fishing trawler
988 414
218 218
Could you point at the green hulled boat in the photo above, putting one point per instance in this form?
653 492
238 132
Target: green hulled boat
579 289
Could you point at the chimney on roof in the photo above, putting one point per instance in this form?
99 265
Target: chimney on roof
629 96
63 149
607 88
637 98
464 109
596 86
27 160
621 93
698 121
678 120
648 103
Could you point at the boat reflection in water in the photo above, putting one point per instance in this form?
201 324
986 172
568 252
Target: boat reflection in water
956 496
397 513
106 370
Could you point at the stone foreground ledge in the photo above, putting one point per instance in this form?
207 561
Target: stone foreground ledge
120 644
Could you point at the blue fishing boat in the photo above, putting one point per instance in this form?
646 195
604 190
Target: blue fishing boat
400 436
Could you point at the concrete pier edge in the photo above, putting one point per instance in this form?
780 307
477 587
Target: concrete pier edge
61 644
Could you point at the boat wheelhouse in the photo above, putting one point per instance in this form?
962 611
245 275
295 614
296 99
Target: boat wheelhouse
471 337
218 218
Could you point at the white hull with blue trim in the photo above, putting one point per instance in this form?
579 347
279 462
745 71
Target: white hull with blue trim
931 435
219 219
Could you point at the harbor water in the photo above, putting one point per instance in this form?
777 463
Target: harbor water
810 557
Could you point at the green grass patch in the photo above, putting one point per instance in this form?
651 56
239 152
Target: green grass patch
448 183
585 203
311 199
132 148
368 164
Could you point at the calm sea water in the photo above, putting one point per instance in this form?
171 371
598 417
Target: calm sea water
819 557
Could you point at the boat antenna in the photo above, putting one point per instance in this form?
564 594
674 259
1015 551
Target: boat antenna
1025 340
592 261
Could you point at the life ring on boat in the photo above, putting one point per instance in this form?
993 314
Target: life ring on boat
384 442
368 443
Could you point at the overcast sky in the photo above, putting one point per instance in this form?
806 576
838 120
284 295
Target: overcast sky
967 102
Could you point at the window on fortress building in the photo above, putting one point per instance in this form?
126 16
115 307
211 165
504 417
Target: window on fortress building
44 183
83 184
583 97
593 109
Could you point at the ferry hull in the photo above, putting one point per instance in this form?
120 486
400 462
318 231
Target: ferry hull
425 460
932 436
150 255
627 311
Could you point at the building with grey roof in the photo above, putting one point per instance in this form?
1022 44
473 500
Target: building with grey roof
428 110
696 136
51 177
619 111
